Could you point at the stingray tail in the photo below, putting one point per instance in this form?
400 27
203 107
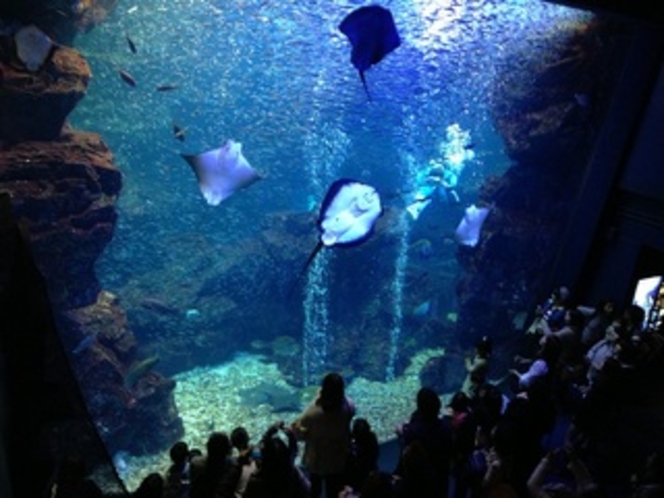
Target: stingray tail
305 267
364 83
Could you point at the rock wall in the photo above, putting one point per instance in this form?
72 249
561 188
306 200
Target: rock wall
549 123
63 187
64 190
62 19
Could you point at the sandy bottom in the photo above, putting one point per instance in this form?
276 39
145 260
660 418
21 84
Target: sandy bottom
209 399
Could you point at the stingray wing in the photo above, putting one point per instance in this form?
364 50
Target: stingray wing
222 172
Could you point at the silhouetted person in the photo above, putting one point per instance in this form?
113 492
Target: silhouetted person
325 428
178 478
477 367
70 481
277 475
210 473
416 476
464 426
244 464
364 453
152 486
433 434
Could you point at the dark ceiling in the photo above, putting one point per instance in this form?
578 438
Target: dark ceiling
649 11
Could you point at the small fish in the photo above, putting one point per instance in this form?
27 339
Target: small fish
422 309
179 133
167 87
423 248
159 306
192 313
120 463
127 78
60 12
84 344
132 45
138 369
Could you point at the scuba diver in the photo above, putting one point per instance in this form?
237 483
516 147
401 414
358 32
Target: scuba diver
442 174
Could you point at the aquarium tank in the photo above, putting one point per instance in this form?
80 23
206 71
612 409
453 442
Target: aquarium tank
282 190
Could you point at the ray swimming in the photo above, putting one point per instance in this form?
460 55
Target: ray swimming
222 172
372 34
347 216
469 229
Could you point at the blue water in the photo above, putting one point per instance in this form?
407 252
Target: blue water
276 77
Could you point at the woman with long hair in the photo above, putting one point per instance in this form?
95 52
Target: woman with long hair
324 426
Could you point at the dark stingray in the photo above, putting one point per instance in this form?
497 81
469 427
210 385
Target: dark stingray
373 34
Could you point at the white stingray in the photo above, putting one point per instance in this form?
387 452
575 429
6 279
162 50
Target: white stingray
468 231
349 213
347 217
222 172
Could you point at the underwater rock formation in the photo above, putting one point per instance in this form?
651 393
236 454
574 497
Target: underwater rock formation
126 398
50 93
203 310
63 186
244 295
62 20
222 310
64 191
549 122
